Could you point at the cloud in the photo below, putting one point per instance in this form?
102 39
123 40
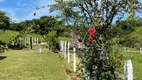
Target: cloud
22 4
2 0
40 12
24 11
9 12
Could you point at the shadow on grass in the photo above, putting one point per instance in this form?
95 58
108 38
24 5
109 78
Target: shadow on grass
3 57
14 47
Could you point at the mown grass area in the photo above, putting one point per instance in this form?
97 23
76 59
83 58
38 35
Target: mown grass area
29 65
7 36
136 59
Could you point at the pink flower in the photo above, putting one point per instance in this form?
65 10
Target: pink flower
74 78
121 10
95 60
90 39
117 60
110 38
91 31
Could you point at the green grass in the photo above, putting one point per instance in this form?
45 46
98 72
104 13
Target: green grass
29 65
136 62
7 36
65 39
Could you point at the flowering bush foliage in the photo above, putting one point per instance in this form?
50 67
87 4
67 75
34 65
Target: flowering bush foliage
101 58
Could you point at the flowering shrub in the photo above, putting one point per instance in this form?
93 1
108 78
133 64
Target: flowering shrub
100 58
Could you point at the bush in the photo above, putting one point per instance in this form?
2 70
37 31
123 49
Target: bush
52 41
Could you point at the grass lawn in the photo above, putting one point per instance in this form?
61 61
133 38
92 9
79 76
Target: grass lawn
29 65
137 64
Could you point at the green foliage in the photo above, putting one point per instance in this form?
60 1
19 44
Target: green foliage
52 40
65 39
67 13
4 21
128 32
134 38
39 26
7 36
47 24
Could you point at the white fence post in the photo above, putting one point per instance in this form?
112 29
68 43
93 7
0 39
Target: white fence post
29 41
128 70
62 46
65 55
20 41
140 50
68 52
37 40
60 42
79 46
74 50
32 40
25 42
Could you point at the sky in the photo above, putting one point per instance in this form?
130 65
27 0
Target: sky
20 10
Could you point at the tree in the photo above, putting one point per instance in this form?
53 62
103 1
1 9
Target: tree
4 21
45 24
52 40
100 61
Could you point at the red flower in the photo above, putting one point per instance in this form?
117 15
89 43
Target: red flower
95 60
90 39
34 13
110 38
121 10
110 57
91 31
74 78
117 60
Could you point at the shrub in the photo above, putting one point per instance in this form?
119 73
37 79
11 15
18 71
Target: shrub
52 41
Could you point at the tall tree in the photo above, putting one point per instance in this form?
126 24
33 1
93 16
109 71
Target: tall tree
4 21
101 61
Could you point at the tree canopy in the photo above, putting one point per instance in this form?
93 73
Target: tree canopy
4 21
99 16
